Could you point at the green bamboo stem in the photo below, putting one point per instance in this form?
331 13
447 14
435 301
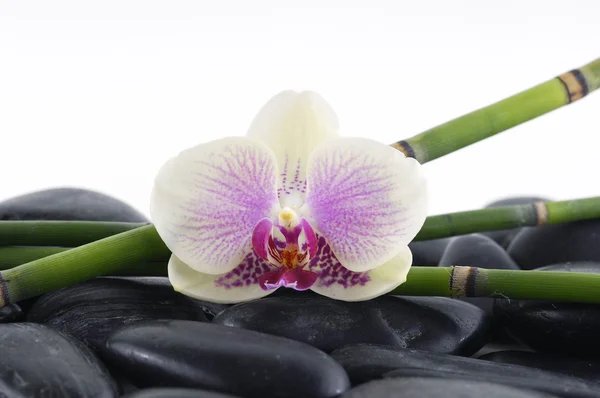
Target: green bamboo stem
539 213
493 119
460 281
58 233
107 256
13 256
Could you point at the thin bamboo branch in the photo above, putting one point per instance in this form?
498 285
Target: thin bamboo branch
59 233
493 119
539 213
462 281
107 256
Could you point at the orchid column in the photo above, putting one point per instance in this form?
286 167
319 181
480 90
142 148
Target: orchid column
293 205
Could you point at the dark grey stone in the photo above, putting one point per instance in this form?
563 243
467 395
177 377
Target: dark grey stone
91 310
37 361
68 204
219 358
430 323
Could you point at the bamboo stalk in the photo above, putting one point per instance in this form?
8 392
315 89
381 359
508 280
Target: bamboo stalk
506 217
493 119
461 281
59 233
12 256
107 256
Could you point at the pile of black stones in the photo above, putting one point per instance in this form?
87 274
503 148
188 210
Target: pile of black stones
136 337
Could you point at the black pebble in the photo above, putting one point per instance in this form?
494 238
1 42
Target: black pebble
428 252
430 323
166 392
559 243
91 310
68 204
571 329
426 387
219 358
586 369
10 313
37 361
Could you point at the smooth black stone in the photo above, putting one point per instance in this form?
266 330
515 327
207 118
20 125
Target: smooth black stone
559 243
36 361
166 392
477 250
570 329
429 387
68 204
424 364
585 369
505 236
10 313
219 358
430 323
428 252
91 310
364 362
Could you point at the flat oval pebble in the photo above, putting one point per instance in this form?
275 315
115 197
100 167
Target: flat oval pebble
10 313
368 362
429 387
428 252
91 310
504 237
36 361
166 392
429 323
224 359
588 369
570 329
559 243
68 204
477 250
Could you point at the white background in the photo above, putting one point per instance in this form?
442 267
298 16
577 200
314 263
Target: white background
98 94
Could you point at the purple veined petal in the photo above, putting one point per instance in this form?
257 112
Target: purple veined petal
292 124
366 198
308 238
207 200
296 279
238 285
339 283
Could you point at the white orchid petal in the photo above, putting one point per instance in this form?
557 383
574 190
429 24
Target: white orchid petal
366 198
207 201
292 124
240 284
341 284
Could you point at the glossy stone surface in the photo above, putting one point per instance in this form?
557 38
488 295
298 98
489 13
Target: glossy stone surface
36 361
90 311
11 313
219 358
477 250
571 329
429 323
166 392
428 252
588 369
68 204
560 243
419 387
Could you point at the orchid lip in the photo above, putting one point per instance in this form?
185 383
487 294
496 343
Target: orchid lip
290 256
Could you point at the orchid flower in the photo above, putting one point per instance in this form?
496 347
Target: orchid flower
292 204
